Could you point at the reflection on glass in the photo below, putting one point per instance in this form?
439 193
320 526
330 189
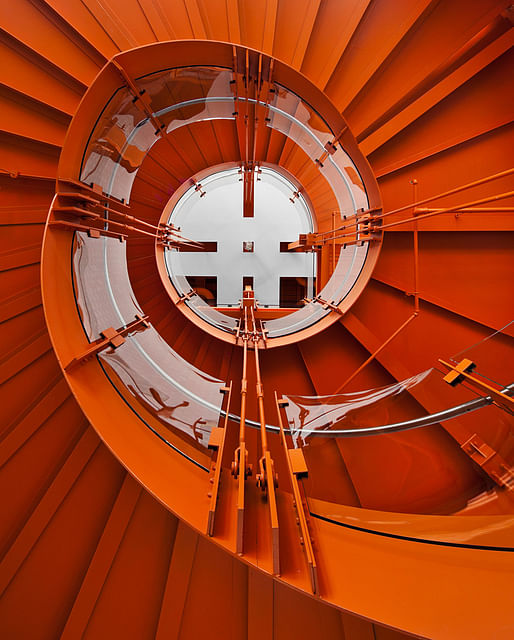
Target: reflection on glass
178 395
359 413
174 396
179 97
124 133
102 288
112 157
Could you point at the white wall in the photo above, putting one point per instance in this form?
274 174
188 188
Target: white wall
218 217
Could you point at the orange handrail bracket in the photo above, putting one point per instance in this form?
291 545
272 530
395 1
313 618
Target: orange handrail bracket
462 371
297 468
110 337
217 442
93 232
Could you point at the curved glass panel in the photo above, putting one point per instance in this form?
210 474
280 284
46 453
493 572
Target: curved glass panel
299 121
360 413
305 317
461 458
113 155
171 396
177 97
103 292
169 392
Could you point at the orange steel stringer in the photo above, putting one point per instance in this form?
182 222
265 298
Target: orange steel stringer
217 442
297 469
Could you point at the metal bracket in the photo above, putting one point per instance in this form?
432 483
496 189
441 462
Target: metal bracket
462 372
490 461
93 232
186 296
297 469
217 443
110 337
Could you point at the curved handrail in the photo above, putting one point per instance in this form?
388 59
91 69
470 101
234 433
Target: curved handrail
415 423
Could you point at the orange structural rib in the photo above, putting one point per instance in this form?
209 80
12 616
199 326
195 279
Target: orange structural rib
377 417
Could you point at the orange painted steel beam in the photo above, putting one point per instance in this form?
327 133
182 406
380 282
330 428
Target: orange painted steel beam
450 192
217 440
469 210
297 468
499 196
240 467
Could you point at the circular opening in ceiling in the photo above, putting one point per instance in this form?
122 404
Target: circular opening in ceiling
243 246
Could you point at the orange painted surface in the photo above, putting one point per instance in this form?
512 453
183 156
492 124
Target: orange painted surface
412 534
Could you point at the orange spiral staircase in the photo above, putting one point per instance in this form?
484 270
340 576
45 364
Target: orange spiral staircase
424 547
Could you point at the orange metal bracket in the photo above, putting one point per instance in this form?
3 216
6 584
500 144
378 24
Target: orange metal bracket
217 442
93 232
297 469
110 338
462 371
475 447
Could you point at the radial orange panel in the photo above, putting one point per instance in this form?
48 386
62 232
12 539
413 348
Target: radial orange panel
31 75
55 41
148 535
431 97
325 47
258 25
22 155
383 26
418 56
219 18
451 274
293 29
487 155
479 106
87 23
53 425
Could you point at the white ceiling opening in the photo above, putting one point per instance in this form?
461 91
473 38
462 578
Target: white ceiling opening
217 216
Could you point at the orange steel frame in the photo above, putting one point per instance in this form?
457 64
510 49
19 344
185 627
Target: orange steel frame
416 573
181 486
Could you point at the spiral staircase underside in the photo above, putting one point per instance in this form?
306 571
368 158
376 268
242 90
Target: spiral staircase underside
426 88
